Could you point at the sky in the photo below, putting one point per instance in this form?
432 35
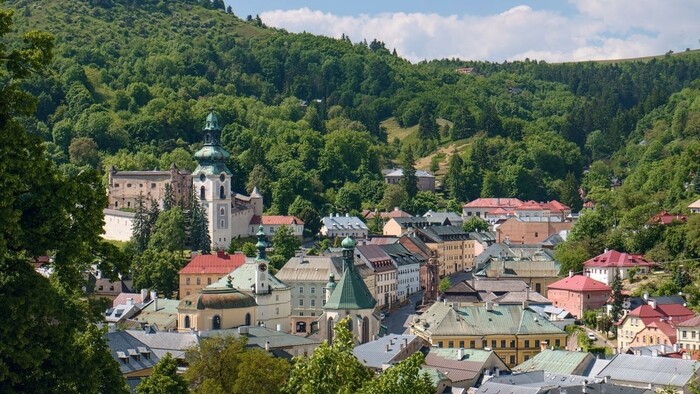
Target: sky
495 30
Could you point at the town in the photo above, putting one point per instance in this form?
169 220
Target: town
377 198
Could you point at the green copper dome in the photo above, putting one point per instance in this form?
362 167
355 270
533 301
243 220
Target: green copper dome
212 157
348 243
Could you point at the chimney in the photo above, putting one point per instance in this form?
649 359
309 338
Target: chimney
571 273
154 298
405 342
267 346
655 353
606 379
220 254
279 327
676 348
646 296
496 372
652 303
347 215
489 306
387 347
526 305
144 294
129 301
543 346
460 354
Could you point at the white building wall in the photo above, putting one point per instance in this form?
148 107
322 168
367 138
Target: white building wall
408 280
118 226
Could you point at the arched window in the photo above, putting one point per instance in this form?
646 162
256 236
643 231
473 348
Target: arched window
202 191
329 328
187 321
216 323
222 195
247 319
365 330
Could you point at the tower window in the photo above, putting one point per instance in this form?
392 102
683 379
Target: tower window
222 195
202 192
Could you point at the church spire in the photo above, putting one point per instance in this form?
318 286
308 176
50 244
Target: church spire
212 157
261 245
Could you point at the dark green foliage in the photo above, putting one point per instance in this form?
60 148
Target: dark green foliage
284 243
198 225
475 224
617 298
409 182
164 380
141 228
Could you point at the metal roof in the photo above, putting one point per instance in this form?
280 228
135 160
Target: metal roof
351 292
660 371
559 361
374 353
308 269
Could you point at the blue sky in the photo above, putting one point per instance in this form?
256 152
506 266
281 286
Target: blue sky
495 30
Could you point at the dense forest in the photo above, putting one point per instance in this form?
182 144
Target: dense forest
306 116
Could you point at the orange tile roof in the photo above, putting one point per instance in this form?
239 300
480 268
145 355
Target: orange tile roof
273 220
529 206
220 263
494 203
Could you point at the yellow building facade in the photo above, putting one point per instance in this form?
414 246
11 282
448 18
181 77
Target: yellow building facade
514 333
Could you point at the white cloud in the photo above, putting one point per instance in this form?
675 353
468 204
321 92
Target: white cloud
599 30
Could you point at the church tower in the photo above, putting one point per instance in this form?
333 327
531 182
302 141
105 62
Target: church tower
212 183
350 298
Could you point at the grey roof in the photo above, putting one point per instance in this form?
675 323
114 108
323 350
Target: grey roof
398 172
517 297
116 212
165 317
539 264
445 217
488 237
344 223
559 361
540 379
492 387
649 350
162 342
121 345
258 336
659 371
400 255
498 286
442 233
510 252
308 269
374 353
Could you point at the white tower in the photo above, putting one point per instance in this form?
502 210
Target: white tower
212 183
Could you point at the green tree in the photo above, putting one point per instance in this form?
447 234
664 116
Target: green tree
285 243
404 377
50 342
330 369
305 210
444 284
617 299
83 151
571 255
464 124
141 228
249 249
590 318
169 231
349 197
474 224
395 196
169 199
409 181
158 270
198 225
455 180
164 380
427 127
224 364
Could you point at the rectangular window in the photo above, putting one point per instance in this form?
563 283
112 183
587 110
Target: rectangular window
537 343
301 289
527 344
116 185
313 302
439 343
153 185
512 360
313 290
472 344
484 343
557 342
301 302
512 344
503 343
461 344
493 344
450 344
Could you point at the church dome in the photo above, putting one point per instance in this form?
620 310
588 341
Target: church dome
348 243
217 298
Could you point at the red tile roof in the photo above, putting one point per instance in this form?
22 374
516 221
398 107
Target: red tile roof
579 283
667 218
529 206
275 220
556 206
493 203
678 312
123 297
692 322
613 258
220 263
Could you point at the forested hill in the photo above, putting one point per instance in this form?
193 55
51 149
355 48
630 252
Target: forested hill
304 115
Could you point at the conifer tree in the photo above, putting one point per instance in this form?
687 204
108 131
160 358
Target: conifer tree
617 298
152 215
409 181
198 226
169 200
141 229
454 178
